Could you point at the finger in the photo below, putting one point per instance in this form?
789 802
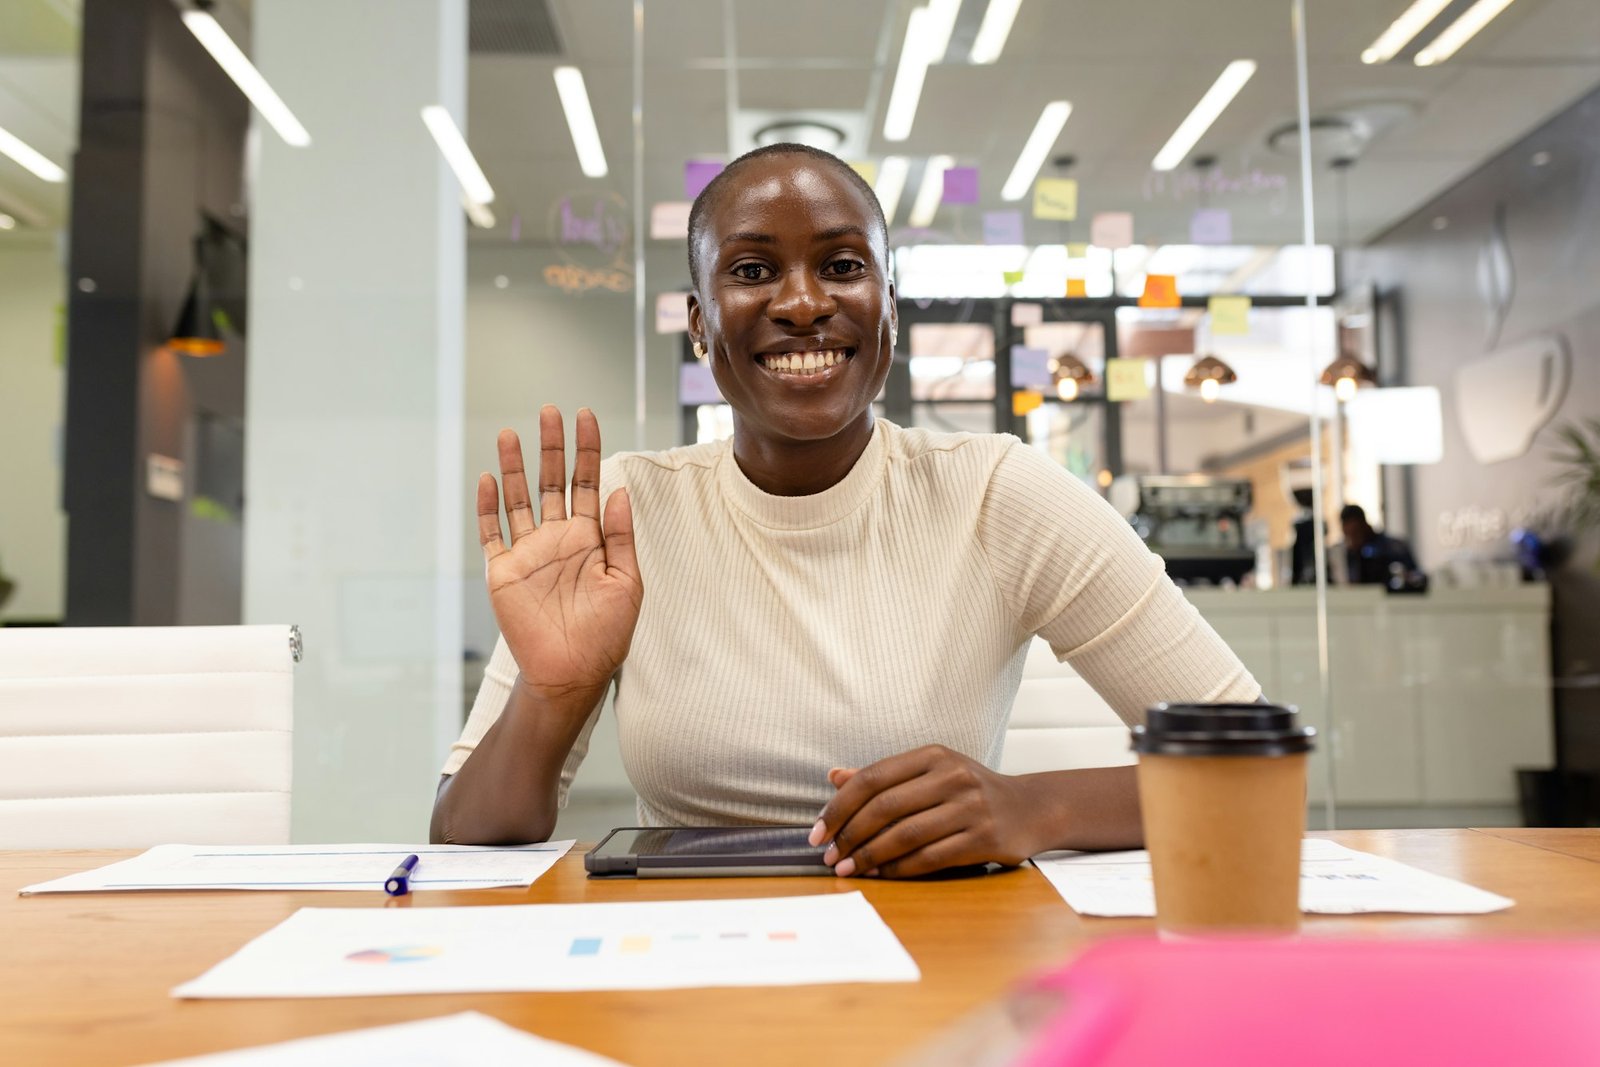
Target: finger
840 775
620 559
489 517
957 850
552 465
902 839
586 467
519 511
865 784
891 815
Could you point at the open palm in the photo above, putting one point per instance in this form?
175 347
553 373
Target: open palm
565 593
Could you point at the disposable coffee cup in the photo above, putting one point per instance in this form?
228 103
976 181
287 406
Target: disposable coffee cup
1223 793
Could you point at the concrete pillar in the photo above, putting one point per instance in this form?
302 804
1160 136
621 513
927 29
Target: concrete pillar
353 456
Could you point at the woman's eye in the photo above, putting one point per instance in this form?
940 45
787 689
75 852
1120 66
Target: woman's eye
845 267
750 272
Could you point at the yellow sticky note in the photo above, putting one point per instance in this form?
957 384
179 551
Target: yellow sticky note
1160 291
867 169
1055 198
1077 251
1229 314
1025 400
1012 277
1126 379
1077 287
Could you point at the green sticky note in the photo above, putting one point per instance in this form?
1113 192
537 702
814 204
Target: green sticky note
1012 277
1126 379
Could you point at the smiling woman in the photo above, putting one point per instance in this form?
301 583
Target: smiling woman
838 609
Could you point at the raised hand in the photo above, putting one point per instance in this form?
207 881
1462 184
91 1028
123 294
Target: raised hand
566 595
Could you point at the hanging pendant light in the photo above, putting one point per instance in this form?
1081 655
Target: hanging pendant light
1209 374
1347 374
1072 375
196 333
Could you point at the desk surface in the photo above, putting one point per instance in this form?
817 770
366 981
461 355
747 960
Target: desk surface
85 977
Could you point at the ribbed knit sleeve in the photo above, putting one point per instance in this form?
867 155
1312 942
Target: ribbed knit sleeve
1076 573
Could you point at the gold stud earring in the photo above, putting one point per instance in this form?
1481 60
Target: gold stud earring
699 350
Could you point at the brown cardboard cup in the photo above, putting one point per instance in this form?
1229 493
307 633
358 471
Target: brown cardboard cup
1222 788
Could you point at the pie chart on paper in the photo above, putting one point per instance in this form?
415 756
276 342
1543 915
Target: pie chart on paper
396 954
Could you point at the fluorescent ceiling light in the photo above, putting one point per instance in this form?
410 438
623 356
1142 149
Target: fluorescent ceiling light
246 77
1040 141
580 120
891 183
1460 32
7 222
480 215
24 153
994 30
941 26
1401 30
457 154
1217 98
914 59
931 192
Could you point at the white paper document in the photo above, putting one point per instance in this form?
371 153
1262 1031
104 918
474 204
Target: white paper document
362 868
465 1040
1334 880
679 944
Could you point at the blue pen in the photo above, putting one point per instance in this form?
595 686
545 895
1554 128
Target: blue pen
399 882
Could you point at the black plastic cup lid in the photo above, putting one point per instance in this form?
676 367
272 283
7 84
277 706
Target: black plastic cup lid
1222 730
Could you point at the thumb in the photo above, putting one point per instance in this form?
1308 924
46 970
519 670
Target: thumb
620 555
840 775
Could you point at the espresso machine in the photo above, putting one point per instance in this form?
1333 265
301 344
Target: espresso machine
1193 521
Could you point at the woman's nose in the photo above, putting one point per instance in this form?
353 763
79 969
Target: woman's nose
800 300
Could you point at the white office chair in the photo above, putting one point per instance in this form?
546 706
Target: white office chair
1059 723
126 737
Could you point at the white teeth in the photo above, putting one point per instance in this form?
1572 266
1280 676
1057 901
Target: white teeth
805 364
810 361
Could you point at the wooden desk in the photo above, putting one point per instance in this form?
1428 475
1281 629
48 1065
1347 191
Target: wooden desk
84 979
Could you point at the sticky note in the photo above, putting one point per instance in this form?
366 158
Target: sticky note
697 175
1229 314
672 312
1211 226
1026 401
669 220
1002 228
1055 198
696 385
1160 291
1126 379
1026 314
867 169
1012 277
1077 287
1077 251
1111 229
1030 368
961 185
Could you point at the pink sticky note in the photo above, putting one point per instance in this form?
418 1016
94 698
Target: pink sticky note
1111 229
697 175
696 385
1211 226
1002 227
961 185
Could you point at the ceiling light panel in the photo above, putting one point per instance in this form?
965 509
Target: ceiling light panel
1460 32
1040 141
580 120
931 192
456 153
1211 105
891 183
908 77
1400 32
994 30
237 66
29 157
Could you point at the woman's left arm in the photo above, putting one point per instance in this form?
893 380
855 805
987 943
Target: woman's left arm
933 808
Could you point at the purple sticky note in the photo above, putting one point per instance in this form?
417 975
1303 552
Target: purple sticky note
1002 228
696 385
697 175
961 185
1030 368
1211 226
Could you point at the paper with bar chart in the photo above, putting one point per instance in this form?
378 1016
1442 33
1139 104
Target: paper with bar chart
342 952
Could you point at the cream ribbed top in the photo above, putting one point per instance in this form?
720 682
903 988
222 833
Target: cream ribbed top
782 636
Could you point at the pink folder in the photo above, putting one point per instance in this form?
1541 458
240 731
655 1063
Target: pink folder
1298 1003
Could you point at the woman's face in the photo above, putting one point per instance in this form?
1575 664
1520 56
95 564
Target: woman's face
793 302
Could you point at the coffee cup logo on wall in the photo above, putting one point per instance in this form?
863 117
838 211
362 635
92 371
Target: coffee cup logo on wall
591 234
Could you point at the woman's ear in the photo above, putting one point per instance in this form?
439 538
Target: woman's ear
697 327
894 318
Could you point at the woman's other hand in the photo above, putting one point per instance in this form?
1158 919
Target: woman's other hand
565 594
923 811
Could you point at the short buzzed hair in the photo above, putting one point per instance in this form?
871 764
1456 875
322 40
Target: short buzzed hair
711 196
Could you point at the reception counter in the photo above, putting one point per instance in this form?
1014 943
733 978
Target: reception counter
1436 699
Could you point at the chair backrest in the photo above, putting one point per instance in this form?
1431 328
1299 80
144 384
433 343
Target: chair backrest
1059 723
126 737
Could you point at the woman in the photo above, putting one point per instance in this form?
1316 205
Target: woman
838 608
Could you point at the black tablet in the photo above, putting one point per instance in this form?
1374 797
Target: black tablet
706 852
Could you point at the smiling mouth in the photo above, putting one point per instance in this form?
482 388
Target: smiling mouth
805 364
